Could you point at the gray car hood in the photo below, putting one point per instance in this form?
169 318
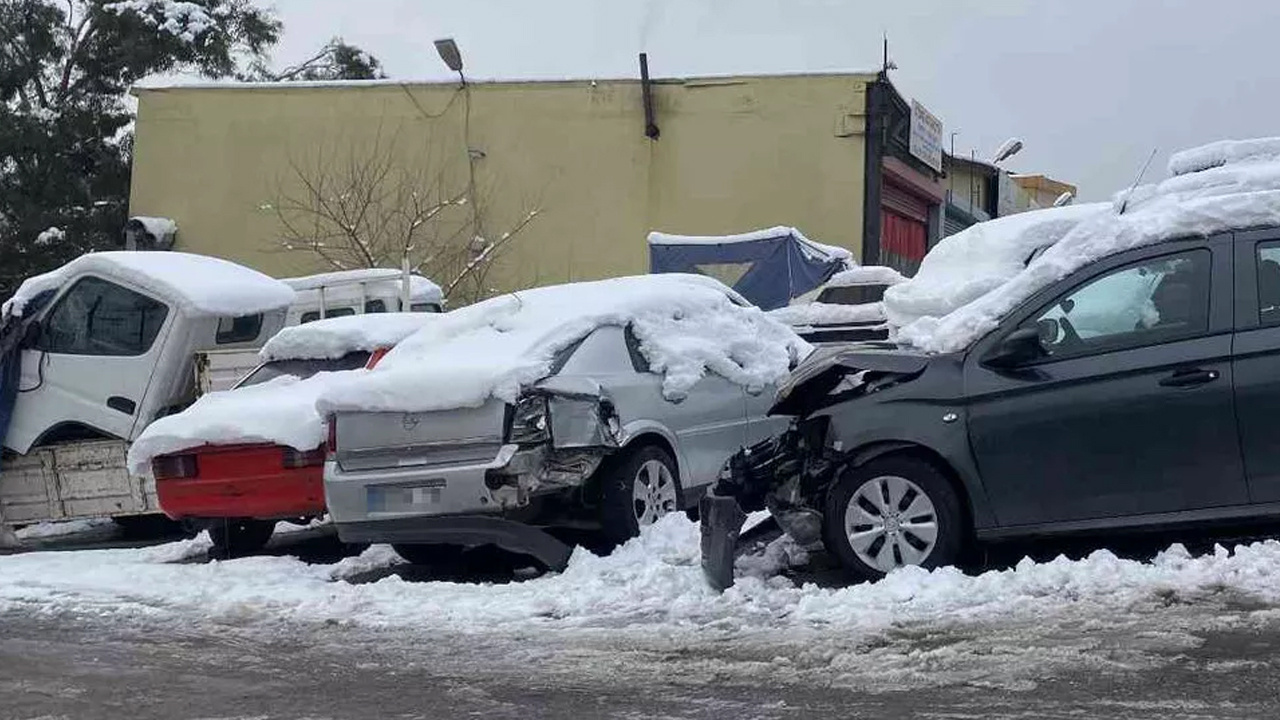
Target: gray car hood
812 381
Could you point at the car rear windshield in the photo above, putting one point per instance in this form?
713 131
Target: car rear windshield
303 369
853 294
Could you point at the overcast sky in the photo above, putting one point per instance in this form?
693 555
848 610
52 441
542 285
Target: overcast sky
1091 86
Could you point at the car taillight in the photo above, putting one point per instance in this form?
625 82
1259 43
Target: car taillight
174 467
297 459
331 443
376 357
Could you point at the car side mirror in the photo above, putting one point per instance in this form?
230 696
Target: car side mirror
1020 346
1049 330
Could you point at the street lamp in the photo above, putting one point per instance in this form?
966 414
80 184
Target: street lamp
450 54
1007 150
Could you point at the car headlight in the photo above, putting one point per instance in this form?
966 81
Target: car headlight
529 423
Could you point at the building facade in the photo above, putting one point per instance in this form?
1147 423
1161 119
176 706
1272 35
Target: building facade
827 153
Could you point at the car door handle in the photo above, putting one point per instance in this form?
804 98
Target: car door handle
122 404
1189 378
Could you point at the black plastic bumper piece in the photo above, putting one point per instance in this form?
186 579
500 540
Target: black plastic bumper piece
465 530
722 520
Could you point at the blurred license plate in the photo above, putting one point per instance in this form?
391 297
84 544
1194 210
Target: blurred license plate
392 499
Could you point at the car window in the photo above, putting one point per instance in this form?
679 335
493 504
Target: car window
313 315
1146 303
303 369
852 294
97 317
375 306
1269 283
638 360
424 307
238 329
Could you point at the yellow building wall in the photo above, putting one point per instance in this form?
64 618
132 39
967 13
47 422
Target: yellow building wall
967 186
735 154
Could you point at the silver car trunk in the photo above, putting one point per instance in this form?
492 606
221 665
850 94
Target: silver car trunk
370 440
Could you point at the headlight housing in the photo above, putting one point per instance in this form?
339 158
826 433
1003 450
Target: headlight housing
529 424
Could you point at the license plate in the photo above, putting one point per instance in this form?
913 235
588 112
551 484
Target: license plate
396 499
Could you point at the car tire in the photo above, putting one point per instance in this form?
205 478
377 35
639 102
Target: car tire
239 537
637 487
891 512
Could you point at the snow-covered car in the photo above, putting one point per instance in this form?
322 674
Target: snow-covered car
848 307
238 461
1125 379
606 403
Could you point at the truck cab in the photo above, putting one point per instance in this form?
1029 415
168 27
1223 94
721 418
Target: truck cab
105 345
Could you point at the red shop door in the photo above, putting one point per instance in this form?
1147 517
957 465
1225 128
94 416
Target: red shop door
902 241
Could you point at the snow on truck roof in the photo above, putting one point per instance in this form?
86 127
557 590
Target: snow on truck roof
334 337
1219 187
200 285
686 325
420 289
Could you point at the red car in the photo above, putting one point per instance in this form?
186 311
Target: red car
239 492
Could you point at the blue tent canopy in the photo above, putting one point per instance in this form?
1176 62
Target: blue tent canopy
767 267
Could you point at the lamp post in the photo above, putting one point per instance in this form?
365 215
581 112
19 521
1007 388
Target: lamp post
452 57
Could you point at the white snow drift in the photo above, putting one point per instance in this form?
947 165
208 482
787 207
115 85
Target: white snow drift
687 325
335 337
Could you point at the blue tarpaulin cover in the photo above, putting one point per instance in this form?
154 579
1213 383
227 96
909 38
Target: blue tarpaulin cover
767 267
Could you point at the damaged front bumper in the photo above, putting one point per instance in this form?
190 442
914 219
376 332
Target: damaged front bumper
775 475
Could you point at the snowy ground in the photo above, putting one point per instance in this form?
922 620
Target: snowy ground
646 612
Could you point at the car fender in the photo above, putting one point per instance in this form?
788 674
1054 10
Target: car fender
636 428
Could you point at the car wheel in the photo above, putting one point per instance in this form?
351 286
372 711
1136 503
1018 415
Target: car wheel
892 512
639 487
239 537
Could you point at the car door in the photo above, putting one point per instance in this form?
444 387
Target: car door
1131 411
1256 359
91 364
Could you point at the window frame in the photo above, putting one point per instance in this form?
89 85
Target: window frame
1221 286
229 337
1137 339
43 343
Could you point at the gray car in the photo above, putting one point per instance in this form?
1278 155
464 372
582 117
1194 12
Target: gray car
593 445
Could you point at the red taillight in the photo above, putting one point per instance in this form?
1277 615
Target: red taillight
174 467
295 459
331 444
376 357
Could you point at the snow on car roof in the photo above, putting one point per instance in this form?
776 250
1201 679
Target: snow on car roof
1238 188
420 289
865 275
199 284
687 325
335 337
778 231
967 265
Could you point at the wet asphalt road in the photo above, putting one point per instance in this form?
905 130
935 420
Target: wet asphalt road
1214 657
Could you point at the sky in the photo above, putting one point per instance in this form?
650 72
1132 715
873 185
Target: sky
1092 87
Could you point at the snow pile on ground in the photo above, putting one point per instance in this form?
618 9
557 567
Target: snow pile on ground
201 285
973 262
652 586
43 530
687 325
280 411
866 275
334 337
1242 193
818 313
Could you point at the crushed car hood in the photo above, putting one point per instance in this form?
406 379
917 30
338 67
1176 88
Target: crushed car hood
815 378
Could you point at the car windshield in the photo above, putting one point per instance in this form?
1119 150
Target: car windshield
853 294
303 368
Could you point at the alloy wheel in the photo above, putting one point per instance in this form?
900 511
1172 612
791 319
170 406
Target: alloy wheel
890 522
653 492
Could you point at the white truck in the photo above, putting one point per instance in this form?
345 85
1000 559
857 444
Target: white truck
94 351
326 295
